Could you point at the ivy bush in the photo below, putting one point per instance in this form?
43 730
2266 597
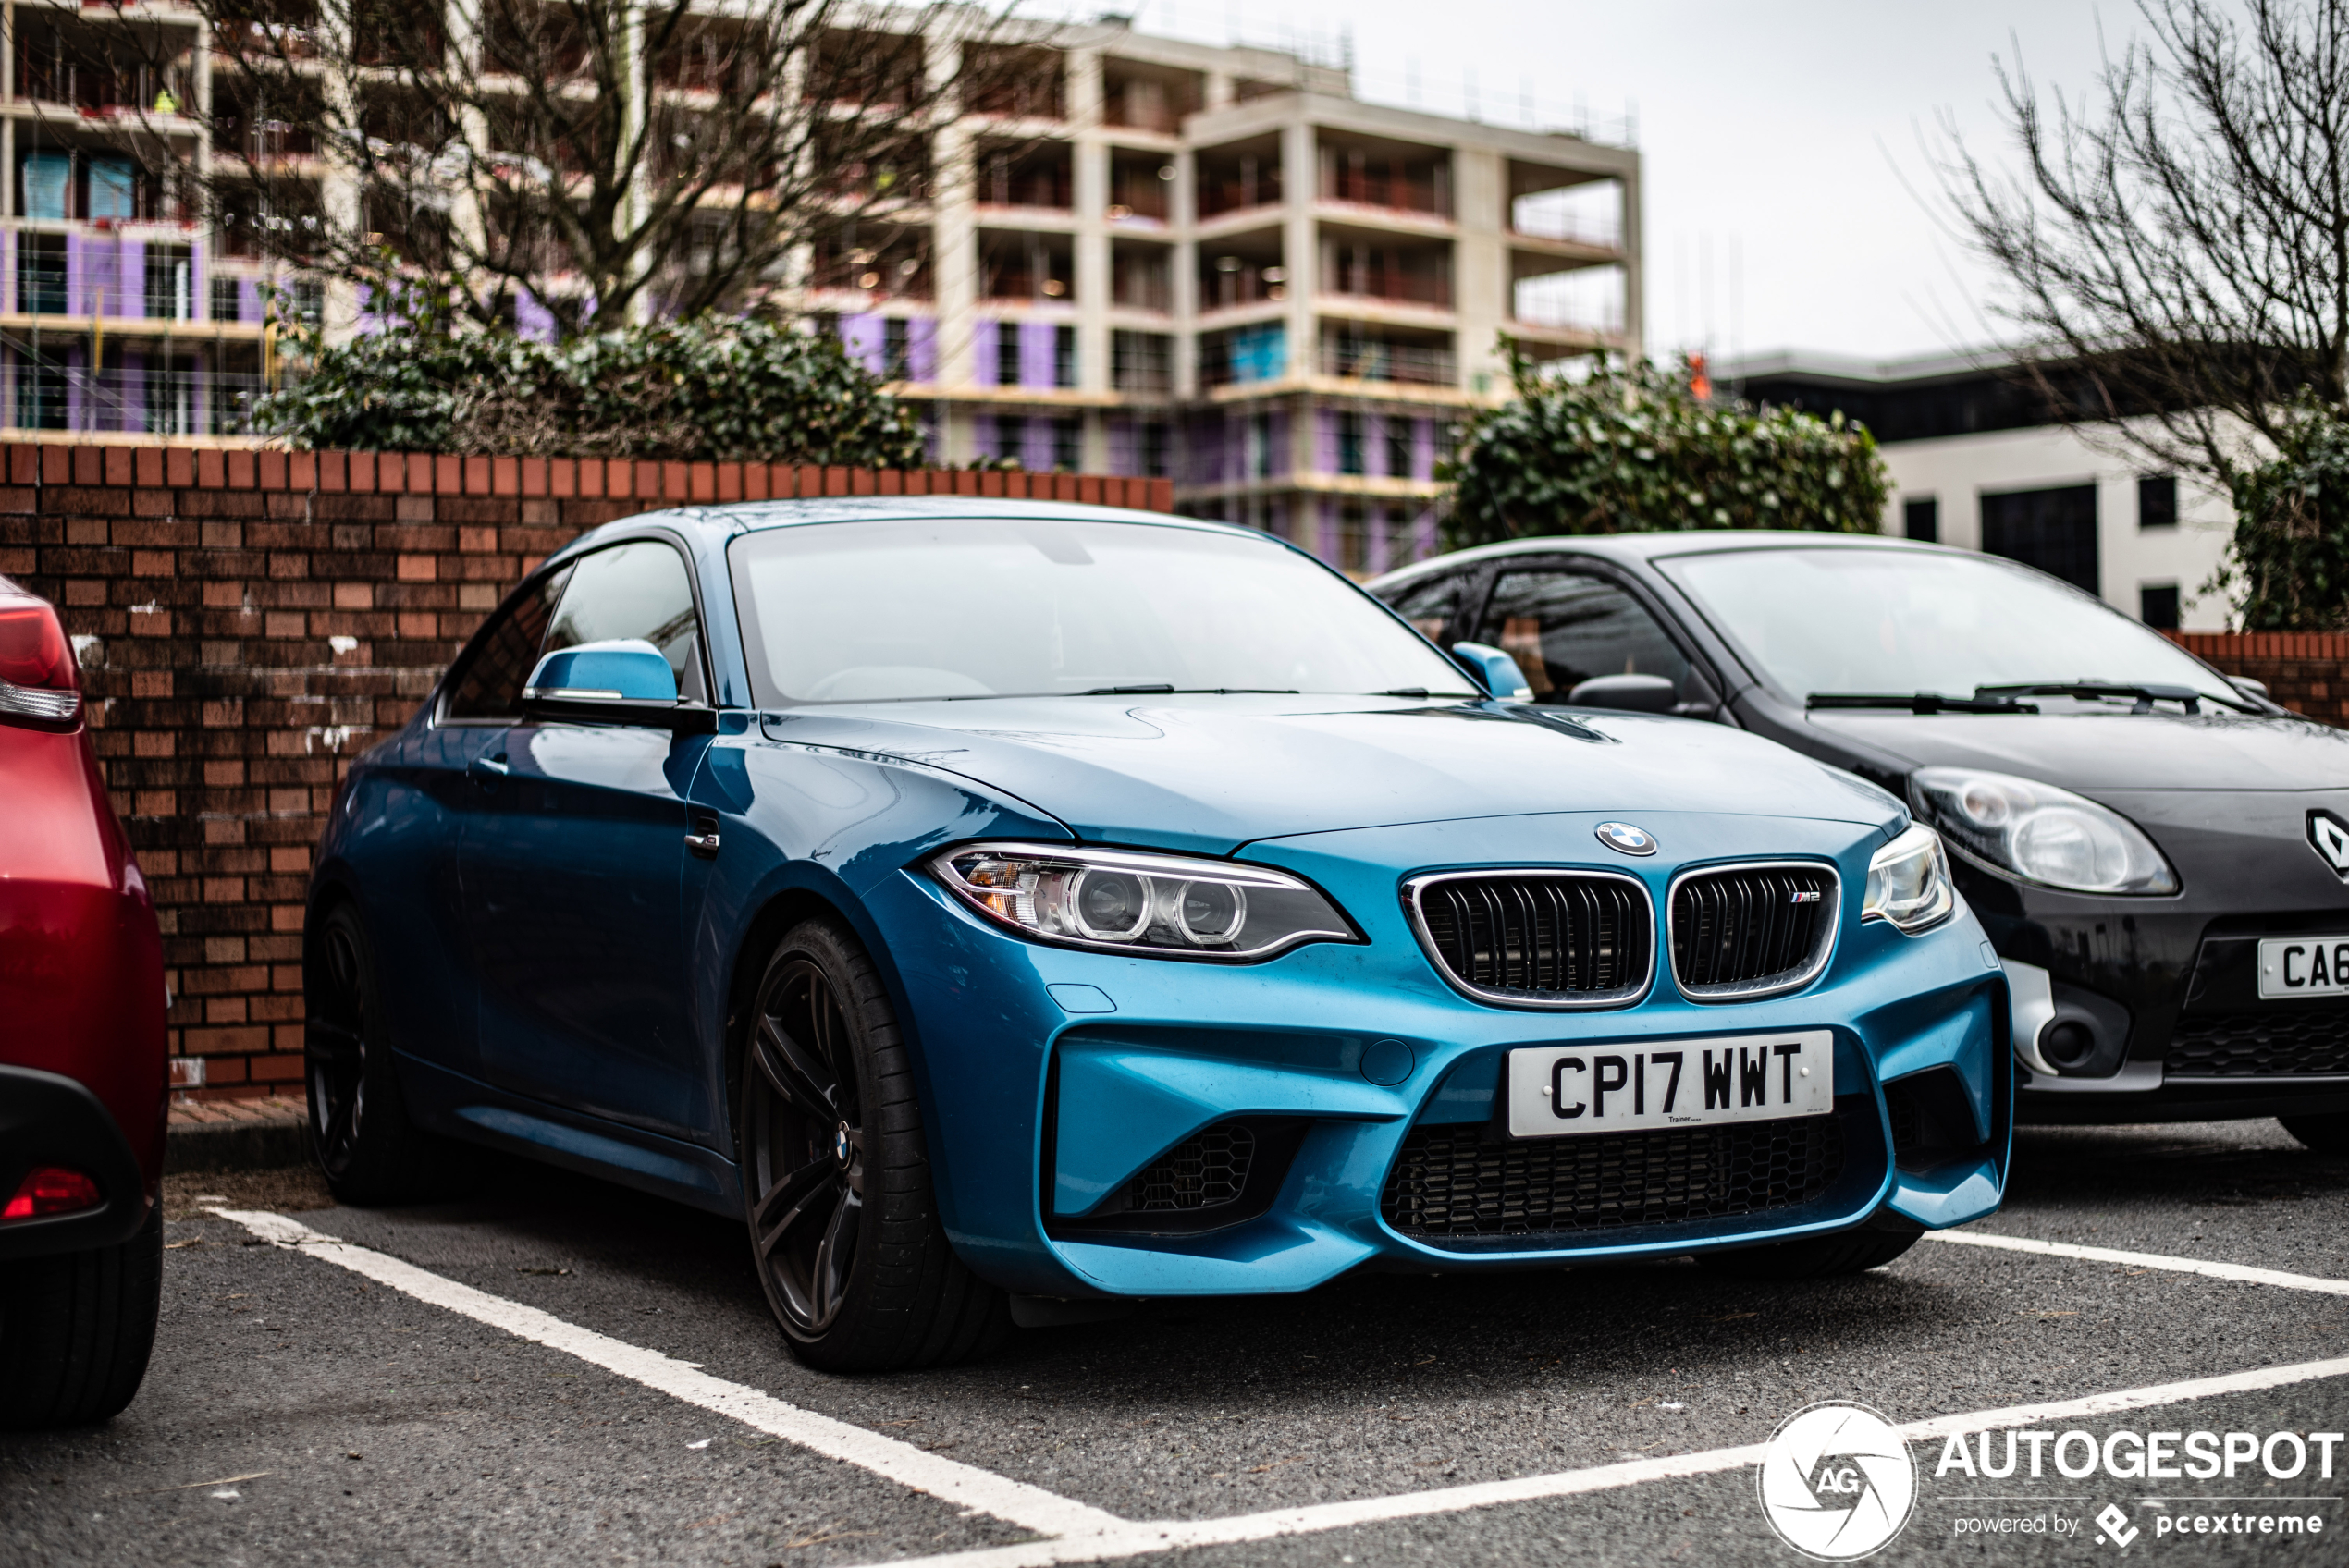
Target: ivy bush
1630 448
2288 566
715 387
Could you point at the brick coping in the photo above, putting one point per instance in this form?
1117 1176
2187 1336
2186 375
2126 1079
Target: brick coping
265 1111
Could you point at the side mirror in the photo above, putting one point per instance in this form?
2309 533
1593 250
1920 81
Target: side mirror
622 681
1631 694
1494 670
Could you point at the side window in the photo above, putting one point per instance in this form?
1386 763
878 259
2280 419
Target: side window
1428 603
1564 628
635 590
489 686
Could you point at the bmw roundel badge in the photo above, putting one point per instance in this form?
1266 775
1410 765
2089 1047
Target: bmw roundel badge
1624 836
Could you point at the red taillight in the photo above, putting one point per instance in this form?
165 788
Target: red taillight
50 1189
39 678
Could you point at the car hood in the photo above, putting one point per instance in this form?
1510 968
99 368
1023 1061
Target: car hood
2096 753
1213 773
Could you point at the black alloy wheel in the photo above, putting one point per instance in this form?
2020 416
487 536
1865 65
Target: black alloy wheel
844 1223
335 1045
806 1146
359 1127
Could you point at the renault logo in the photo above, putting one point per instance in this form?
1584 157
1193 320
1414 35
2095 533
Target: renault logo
2327 834
1636 840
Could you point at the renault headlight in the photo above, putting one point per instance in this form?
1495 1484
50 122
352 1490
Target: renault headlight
1120 901
1909 882
2038 833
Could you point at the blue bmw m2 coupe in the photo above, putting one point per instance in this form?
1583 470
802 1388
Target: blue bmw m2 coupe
1007 910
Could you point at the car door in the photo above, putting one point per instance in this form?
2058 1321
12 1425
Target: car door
1566 624
407 842
574 879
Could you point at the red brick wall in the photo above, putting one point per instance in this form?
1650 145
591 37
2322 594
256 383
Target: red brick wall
2306 671
262 617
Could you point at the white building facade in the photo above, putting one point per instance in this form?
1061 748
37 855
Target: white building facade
1974 462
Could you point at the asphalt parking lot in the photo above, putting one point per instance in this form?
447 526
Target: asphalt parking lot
559 1369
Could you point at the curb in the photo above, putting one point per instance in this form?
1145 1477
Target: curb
236 1142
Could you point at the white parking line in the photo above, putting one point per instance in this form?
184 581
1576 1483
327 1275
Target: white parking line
1082 1534
2236 1271
966 1485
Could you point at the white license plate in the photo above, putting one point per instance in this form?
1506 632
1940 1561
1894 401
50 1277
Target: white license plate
1556 1091
2304 966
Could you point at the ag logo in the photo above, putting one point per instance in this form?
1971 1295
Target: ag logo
1837 1481
2328 835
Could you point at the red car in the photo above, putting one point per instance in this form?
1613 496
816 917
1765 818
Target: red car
83 1079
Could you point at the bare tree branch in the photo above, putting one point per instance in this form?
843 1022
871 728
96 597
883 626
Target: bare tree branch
602 159
2178 244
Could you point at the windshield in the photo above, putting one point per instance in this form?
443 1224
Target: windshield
1896 620
896 609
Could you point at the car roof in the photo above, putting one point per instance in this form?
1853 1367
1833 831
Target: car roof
1644 548
718 522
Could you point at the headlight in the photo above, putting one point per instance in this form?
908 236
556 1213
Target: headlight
1118 900
1909 882
2041 833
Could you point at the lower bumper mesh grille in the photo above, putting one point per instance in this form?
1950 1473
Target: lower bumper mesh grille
1455 1187
2260 1044
1205 1171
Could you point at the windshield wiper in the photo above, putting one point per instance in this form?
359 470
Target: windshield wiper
1162 689
2146 695
1917 701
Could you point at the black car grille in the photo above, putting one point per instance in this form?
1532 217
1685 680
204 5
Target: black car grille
1455 1187
1566 938
1205 1171
2260 1044
1747 931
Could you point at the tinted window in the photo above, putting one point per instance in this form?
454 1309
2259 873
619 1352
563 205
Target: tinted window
639 591
489 686
2053 529
902 608
1564 628
1428 604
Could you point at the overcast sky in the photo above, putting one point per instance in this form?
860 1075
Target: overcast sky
1776 137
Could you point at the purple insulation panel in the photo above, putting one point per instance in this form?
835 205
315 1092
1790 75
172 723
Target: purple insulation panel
1325 541
133 273
1282 454
248 300
77 284
76 359
921 348
131 389
864 338
1035 454
1125 448
532 320
1423 449
1325 446
1036 355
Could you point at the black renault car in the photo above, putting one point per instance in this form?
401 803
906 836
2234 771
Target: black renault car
2160 854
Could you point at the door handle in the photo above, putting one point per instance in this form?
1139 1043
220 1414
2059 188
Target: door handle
703 838
486 771
701 843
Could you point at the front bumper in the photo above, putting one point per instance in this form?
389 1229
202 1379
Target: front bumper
1053 1078
2166 991
49 1119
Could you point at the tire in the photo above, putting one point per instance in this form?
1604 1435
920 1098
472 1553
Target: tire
2325 1134
844 1225
76 1330
360 1133
1820 1257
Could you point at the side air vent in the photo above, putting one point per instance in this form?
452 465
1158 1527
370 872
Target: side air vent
1743 932
1219 1175
1538 938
